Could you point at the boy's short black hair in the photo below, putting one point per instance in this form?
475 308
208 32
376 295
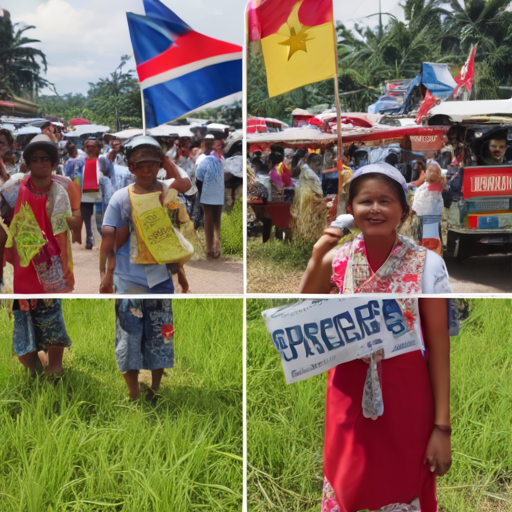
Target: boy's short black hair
275 158
27 154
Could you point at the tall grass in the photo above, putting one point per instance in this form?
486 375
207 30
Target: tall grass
82 446
232 230
286 423
289 255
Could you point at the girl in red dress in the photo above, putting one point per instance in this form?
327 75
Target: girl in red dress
390 463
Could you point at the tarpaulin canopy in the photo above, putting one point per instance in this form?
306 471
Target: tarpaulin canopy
461 111
87 129
331 116
169 130
26 130
438 79
388 104
18 106
270 120
78 121
293 137
125 134
301 112
256 125
423 138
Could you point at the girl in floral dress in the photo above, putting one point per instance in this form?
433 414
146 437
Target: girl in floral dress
388 462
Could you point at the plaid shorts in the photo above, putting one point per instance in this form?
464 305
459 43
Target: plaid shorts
144 334
39 327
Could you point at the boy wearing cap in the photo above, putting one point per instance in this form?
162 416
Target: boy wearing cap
34 212
137 236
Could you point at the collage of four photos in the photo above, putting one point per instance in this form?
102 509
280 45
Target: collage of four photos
184 190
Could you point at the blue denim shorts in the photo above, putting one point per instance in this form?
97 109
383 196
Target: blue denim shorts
144 334
39 328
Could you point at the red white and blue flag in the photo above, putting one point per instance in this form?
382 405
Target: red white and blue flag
179 69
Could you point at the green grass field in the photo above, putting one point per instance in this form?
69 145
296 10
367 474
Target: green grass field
286 423
80 445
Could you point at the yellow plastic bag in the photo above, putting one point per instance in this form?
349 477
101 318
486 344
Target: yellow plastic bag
157 240
27 233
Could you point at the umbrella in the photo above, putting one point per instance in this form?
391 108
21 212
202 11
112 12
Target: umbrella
78 121
125 134
90 129
168 130
26 130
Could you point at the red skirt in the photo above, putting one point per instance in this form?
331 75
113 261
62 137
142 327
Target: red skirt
374 463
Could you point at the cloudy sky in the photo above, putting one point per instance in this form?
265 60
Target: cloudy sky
84 39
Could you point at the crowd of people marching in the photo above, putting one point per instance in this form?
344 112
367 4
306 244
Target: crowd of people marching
146 196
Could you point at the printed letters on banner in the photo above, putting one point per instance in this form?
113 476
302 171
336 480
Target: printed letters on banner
313 336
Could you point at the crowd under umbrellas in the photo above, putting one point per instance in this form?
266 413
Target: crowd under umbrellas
453 141
179 150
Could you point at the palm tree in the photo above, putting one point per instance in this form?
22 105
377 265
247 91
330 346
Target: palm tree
485 23
20 65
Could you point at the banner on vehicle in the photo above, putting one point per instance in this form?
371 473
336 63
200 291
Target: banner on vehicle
487 181
313 336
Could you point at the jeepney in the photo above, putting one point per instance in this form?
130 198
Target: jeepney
482 193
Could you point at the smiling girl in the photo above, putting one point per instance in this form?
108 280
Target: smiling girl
378 260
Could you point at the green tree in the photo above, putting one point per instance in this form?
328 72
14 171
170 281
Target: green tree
21 65
115 101
486 23
67 106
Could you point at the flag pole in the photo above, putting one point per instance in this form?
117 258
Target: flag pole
144 132
338 112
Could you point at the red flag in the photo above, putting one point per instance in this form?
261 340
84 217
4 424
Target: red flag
466 75
428 102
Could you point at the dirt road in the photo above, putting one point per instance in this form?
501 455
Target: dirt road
486 274
482 274
205 277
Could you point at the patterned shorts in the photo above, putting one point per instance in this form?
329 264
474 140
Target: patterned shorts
39 327
144 334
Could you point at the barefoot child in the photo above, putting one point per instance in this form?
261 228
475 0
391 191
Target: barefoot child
39 336
144 341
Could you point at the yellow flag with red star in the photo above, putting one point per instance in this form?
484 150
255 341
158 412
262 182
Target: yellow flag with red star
297 39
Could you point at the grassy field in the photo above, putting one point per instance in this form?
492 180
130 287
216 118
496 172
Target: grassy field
275 266
286 423
80 445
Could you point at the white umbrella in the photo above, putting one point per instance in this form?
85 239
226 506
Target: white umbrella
8 126
126 134
169 130
217 127
87 129
26 130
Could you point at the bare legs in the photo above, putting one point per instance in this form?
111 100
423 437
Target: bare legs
212 217
35 361
131 378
